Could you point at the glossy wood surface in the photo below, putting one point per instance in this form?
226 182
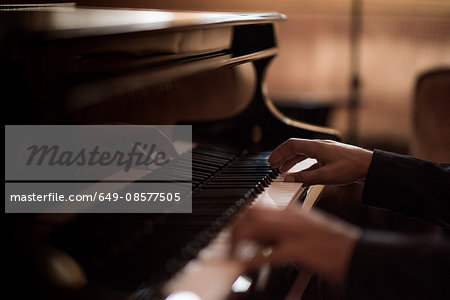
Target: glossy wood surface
72 22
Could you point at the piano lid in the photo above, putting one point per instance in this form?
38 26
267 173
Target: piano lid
66 22
69 58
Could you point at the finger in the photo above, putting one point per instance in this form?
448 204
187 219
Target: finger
263 232
259 225
317 175
277 256
295 178
283 159
286 166
246 250
296 146
281 154
313 167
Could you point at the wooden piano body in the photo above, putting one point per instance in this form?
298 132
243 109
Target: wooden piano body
68 65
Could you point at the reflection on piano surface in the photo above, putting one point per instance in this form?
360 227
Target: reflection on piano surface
71 65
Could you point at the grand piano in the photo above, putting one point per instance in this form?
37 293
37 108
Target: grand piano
70 65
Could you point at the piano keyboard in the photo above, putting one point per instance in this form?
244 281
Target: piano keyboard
153 252
212 274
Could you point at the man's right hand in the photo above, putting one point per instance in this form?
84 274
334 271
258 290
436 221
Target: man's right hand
337 163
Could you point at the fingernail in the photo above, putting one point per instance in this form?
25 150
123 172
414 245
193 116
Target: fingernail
246 250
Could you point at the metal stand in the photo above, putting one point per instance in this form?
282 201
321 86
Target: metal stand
355 33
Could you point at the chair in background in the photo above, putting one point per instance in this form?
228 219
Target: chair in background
431 116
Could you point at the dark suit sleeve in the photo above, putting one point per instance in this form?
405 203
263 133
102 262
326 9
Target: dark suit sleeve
391 265
410 186
398 266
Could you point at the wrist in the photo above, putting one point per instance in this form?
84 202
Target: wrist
364 160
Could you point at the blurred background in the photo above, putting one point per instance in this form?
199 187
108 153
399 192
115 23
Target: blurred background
391 45
353 65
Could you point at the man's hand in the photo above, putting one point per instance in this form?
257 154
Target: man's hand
337 163
319 242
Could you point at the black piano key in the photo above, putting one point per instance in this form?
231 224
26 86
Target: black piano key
222 181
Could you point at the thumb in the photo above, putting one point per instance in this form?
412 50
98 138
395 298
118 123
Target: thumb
309 176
